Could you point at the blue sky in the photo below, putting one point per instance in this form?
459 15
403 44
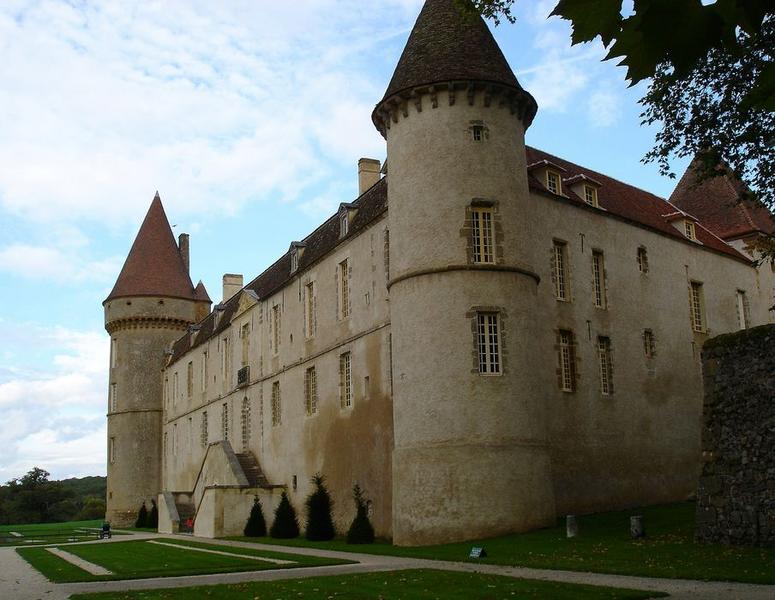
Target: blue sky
249 119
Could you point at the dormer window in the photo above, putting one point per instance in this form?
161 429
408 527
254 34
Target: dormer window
553 182
590 195
690 231
296 250
346 214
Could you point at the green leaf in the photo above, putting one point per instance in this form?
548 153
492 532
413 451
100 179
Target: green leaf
591 18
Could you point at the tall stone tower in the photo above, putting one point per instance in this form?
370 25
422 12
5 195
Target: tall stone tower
150 306
470 456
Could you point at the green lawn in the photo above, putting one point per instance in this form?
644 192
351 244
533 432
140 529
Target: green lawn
604 547
407 585
140 559
48 533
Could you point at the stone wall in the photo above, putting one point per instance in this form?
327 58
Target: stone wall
736 494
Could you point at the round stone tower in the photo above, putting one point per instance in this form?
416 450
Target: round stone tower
470 457
151 305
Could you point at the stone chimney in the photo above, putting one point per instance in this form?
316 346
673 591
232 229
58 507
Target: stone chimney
183 249
231 285
368 173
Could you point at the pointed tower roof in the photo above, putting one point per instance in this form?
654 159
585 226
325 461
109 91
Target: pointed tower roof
448 47
722 203
201 293
154 266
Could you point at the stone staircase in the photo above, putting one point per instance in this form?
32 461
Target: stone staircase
252 470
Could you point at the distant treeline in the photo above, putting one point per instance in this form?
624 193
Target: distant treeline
33 498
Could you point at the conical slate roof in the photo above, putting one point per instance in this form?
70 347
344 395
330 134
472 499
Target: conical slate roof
446 46
722 204
154 266
201 292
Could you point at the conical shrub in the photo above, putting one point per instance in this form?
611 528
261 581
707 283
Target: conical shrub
256 526
361 530
320 523
285 525
142 517
153 516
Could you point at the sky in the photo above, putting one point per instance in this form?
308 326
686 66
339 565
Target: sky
249 118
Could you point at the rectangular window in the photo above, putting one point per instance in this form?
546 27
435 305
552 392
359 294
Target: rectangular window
113 351
245 335
344 289
276 406
345 380
598 278
294 261
488 343
276 328
482 235
690 231
567 362
743 317
190 379
553 182
174 389
113 400
477 132
344 224
606 370
204 371
226 362
387 255
225 421
561 284
204 436
643 260
310 391
309 309
245 422
697 302
590 195
649 343
112 450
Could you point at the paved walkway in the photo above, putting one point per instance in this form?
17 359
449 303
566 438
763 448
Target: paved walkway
79 562
19 581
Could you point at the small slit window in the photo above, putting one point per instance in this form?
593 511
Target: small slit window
643 260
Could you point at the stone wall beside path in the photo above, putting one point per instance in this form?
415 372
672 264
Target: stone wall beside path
736 492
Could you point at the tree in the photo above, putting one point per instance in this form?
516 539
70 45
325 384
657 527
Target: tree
153 516
361 530
285 524
256 525
712 75
142 517
320 524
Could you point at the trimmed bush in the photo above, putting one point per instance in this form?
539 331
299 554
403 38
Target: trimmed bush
142 517
361 531
153 516
285 525
320 523
256 526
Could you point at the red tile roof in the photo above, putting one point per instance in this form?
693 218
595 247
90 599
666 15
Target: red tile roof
721 205
628 203
154 266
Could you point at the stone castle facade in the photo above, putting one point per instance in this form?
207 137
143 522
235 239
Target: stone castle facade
487 337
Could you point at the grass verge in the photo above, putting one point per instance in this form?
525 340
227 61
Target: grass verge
48 533
407 585
604 546
141 559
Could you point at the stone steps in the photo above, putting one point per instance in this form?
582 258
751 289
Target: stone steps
252 470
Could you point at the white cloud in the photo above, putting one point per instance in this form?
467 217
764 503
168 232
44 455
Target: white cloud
604 108
46 263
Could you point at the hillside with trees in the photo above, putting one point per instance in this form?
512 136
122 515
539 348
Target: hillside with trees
34 498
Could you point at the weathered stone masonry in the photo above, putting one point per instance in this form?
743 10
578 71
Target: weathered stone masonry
736 495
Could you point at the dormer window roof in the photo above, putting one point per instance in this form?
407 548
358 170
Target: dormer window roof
585 188
296 251
346 215
550 174
684 223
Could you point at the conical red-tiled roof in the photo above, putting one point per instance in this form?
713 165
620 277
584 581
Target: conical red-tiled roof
447 46
201 293
154 266
721 204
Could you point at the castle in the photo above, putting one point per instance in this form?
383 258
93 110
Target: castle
488 337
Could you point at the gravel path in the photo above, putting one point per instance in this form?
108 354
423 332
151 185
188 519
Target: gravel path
19 581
